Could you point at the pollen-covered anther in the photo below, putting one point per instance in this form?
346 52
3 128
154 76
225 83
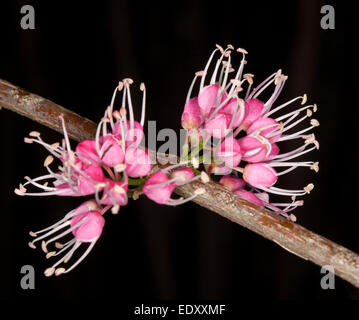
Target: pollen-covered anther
310 138
31 245
115 209
43 246
127 81
304 99
28 140
59 245
238 89
142 86
315 166
55 145
50 254
248 77
315 108
120 86
278 77
49 272
241 50
19 192
309 113
309 188
22 188
116 114
229 46
34 134
199 73
49 159
292 217
199 191
227 53
59 271
219 48
314 122
32 234
204 177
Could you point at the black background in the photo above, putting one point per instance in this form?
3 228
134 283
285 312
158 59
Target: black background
75 57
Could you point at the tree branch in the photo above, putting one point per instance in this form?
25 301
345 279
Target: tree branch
292 237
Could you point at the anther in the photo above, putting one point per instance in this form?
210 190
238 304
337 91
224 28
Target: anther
50 254
309 188
304 100
241 50
59 271
43 246
48 161
31 245
49 272
34 134
115 209
315 166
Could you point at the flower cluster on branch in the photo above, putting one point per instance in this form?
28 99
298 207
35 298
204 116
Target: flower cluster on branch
233 137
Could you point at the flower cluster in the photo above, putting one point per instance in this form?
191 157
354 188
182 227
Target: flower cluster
237 138
240 137
110 168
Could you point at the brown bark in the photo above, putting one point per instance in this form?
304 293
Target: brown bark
292 237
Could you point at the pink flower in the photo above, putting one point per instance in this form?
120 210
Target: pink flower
235 108
207 98
254 149
182 176
85 223
232 183
267 128
259 175
249 196
254 110
230 152
138 162
114 193
133 136
191 116
111 152
159 188
218 126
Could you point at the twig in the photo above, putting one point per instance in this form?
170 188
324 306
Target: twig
292 237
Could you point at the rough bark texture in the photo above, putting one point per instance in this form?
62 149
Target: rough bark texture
292 237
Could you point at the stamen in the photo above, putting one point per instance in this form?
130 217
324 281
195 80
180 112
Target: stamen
143 89
48 161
